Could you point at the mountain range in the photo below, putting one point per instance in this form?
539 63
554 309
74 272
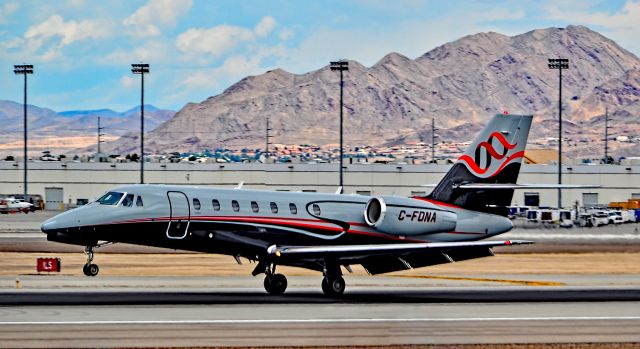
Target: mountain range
460 84
44 121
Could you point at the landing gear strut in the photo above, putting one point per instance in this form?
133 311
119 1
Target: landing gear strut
89 268
333 284
274 283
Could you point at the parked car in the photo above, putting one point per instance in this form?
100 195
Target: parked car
615 217
600 218
35 199
8 205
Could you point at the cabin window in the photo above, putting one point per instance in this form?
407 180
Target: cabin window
235 205
254 207
274 207
316 209
110 198
216 205
139 201
196 203
128 200
293 208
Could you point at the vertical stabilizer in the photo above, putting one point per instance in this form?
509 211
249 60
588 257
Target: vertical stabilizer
495 156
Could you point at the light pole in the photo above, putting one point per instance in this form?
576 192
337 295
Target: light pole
606 136
433 140
99 135
341 66
24 69
267 140
141 69
559 64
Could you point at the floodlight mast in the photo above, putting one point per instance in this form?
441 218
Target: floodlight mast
433 140
341 66
24 69
559 64
141 69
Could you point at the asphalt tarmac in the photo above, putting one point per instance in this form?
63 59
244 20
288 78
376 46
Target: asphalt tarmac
115 311
373 317
75 311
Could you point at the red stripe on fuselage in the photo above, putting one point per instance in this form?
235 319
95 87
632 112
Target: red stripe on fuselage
436 202
287 222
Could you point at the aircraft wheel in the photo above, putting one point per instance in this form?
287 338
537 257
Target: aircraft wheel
275 284
333 286
90 269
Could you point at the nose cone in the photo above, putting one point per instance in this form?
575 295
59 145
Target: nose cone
63 220
50 225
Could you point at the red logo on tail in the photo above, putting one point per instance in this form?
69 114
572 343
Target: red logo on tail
491 153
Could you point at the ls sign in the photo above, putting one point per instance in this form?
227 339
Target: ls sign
48 265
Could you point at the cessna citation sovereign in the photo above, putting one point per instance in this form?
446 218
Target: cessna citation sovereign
323 232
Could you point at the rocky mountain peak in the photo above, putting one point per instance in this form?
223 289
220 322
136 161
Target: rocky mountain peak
460 83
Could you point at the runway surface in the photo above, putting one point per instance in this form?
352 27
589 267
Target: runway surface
70 310
366 315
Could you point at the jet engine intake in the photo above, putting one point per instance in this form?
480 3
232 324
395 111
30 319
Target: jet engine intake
404 216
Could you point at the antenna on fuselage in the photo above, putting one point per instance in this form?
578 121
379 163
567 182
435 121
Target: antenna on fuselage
339 190
239 186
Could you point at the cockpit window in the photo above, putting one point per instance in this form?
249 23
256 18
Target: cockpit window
110 198
128 200
139 201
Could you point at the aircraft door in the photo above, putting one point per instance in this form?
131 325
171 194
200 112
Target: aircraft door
180 214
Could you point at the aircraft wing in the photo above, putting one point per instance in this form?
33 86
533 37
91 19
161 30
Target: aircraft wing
383 258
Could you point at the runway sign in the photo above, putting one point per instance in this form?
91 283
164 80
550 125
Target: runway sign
51 264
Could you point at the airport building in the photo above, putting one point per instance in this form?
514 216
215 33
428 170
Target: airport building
73 183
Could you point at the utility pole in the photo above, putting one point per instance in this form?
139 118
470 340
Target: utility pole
433 140
99 135
141 69
341 66
266 139
24 69
559 64
606 135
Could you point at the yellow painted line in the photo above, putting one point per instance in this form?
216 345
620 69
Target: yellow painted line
506 281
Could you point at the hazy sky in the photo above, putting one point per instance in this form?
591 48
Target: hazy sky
82 50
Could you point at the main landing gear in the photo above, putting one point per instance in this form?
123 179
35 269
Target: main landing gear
332 284
90 269
274 283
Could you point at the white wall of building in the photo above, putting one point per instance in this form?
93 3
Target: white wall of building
88 180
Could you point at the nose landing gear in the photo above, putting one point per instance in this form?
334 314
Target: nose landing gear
90 269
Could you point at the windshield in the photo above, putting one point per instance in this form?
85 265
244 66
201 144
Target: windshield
110 198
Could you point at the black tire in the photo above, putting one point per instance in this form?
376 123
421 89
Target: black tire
85 269
325 286
93 269
333 286
275 284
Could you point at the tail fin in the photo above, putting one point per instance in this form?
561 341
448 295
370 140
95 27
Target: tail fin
495 156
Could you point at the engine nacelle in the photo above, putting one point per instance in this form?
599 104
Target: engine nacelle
404 216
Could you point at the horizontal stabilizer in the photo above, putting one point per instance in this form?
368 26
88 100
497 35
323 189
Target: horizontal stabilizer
524 186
